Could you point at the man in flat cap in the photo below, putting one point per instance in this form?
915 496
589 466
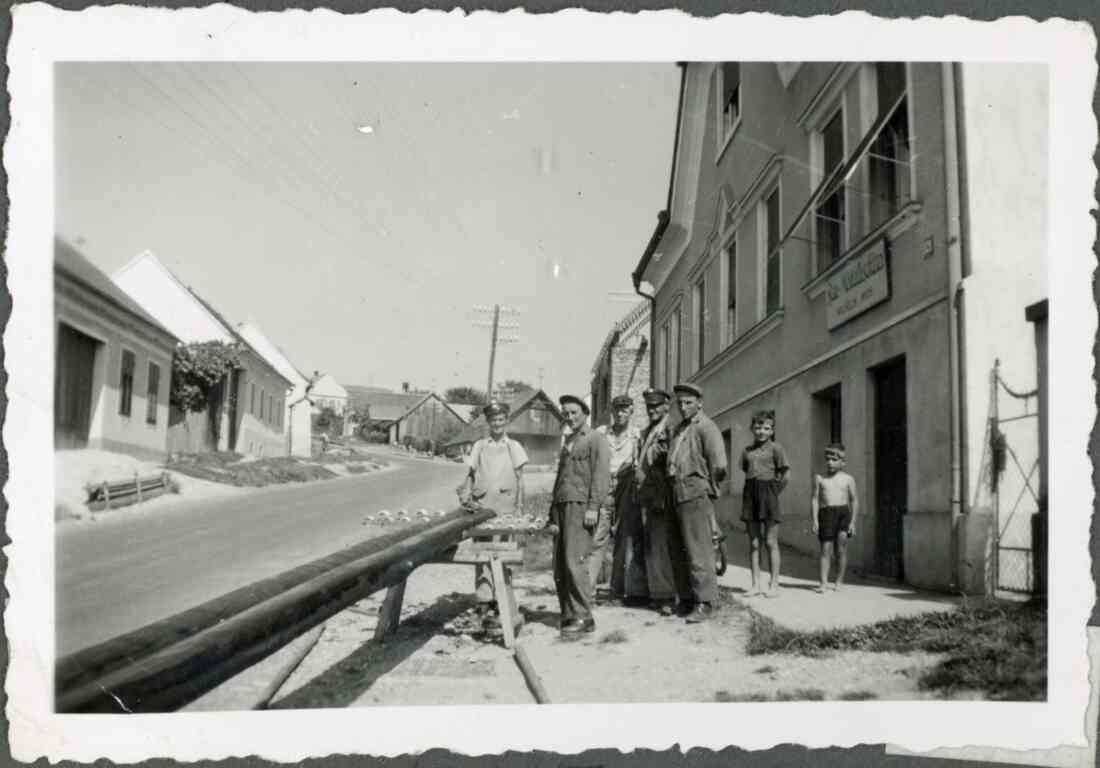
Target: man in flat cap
696 465
620 522
665 562
580 489
494 480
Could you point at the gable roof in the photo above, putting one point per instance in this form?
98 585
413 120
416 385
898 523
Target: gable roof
220 321
382 406
640 310
271 352
425 398
465 410
478 428
68 261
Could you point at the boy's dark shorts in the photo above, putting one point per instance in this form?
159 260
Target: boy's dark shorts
760 501
832 520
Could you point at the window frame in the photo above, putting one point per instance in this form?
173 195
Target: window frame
252 398
152 392
699 319
126 395
762 221
729 284
818 172
723 135
871 104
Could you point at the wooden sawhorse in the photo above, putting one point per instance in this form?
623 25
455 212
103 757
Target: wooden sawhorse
496 547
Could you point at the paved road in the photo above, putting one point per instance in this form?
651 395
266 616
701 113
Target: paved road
118 575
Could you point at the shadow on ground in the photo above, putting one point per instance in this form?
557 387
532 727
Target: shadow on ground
343 683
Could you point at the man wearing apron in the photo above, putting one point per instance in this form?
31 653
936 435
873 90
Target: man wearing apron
494 481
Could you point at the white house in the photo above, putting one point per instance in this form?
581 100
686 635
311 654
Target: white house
247 410
298 404
328 393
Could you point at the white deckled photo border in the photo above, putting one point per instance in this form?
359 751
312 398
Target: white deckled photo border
43 35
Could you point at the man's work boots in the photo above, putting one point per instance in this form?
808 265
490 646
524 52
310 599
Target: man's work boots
575 628
702 612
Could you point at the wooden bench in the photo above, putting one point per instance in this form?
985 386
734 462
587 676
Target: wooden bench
498 548
108 495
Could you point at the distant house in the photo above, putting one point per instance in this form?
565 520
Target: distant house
430 418
326 392
535 421
247 412
113 363
297 405
622 366
382 407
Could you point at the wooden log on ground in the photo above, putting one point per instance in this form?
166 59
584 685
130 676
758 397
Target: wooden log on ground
534 682
389 615
85 666
169 678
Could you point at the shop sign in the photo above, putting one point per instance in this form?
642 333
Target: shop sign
863 282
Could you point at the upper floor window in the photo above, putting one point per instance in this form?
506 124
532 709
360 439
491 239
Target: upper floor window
662 357
152 389
728 91
830 213
731 291
126 383
700 301
252 397
771 254
890 156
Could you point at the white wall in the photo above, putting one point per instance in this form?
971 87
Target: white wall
1005 127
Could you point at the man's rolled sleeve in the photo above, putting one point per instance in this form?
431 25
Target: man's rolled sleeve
714 449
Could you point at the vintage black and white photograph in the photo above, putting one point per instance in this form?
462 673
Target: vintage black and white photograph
409 384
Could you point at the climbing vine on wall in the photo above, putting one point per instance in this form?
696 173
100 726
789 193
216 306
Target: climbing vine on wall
197 368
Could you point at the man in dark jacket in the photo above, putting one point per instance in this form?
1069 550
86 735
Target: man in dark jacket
696 466
580 489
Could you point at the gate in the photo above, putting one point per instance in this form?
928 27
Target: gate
1012 483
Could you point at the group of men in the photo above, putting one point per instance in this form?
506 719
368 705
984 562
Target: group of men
647 495
644 497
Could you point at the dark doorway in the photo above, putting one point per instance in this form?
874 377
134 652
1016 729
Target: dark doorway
232 404
891 467
72 393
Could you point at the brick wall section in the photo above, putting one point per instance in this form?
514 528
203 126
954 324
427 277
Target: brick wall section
623 368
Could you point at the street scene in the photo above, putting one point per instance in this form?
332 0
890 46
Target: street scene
423 384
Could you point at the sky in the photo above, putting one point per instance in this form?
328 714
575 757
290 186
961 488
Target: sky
358 212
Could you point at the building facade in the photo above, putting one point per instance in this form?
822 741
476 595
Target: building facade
326 392
113 364
622 366
296 405
246 414
827 245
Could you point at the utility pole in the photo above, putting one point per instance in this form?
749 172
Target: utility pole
496 325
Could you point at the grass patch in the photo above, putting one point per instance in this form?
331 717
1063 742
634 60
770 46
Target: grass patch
999 648
231 469
614 637
355 469
858 696
728 696
801 694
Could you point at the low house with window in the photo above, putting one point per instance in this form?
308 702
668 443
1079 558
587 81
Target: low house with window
622 366
247 409
113 362
297 405
326 392
428 419
840 247
534 420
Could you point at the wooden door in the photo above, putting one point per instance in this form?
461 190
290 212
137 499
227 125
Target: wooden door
72 398
891 467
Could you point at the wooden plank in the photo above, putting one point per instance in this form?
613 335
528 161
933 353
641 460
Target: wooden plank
389 615
475 558
534 682
505 602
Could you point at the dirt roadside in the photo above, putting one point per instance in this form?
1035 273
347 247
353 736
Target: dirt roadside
440 655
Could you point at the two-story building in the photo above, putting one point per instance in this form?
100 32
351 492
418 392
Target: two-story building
841 246
622 366
327 392
247 413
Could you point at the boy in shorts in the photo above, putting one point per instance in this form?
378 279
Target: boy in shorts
834 508
766 471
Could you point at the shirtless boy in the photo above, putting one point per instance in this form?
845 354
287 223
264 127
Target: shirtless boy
835 507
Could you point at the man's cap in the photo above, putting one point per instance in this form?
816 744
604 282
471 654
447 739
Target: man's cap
655 396
574 399
836 451
622 401
496 409
687 389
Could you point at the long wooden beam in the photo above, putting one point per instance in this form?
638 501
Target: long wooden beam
185 659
